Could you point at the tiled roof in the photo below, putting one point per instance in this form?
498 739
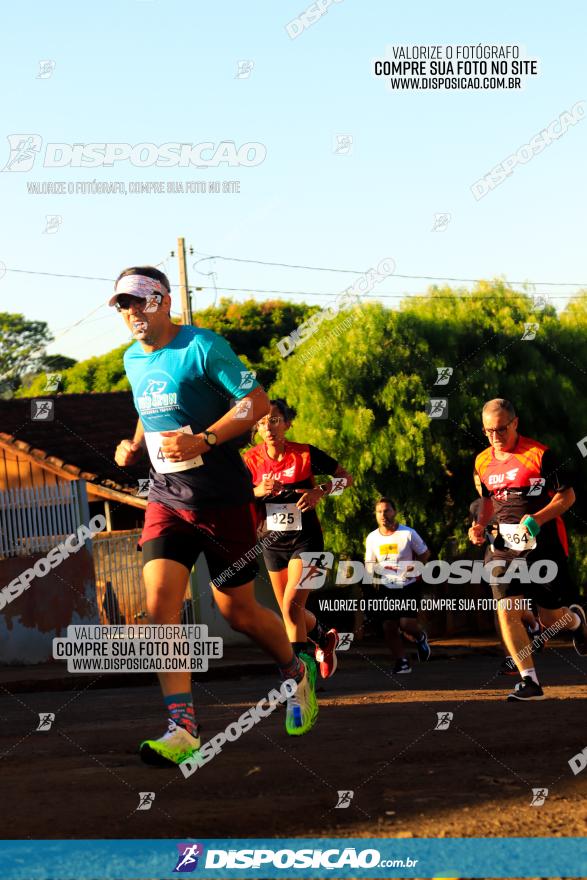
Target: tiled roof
82 437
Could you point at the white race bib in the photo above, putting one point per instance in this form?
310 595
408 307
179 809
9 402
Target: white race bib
515 537
283 518
158 460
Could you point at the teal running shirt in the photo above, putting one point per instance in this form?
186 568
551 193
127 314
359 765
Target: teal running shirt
189 384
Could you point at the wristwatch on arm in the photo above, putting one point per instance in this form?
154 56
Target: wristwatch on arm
210 437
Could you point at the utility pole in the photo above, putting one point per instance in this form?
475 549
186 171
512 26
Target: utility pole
186 300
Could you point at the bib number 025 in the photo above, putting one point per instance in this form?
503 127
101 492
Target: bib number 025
283 518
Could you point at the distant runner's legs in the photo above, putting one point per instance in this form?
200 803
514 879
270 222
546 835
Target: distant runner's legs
279 581
240 608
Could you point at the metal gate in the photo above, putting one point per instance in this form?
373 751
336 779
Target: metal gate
120 588
37 518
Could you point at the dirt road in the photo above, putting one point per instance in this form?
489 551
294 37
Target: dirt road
375 737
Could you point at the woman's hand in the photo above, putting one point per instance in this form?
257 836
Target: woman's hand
268 486
309 499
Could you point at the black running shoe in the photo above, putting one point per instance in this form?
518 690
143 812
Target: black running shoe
402 666
526 690
580 635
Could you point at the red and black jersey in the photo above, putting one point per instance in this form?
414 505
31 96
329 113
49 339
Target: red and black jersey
523 483
300 463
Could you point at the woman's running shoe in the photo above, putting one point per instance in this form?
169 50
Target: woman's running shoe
326 656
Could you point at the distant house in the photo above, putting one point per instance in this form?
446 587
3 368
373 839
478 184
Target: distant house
57 471
77 441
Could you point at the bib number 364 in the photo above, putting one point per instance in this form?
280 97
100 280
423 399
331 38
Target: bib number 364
515 537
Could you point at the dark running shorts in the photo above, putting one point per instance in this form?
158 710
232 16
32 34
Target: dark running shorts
225 535
283 547
557 593
277 557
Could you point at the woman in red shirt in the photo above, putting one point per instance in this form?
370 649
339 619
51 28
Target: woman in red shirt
283 477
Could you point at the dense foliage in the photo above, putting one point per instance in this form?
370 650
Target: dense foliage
361 386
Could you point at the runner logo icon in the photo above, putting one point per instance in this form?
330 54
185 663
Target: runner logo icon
539 795
537 484
315 568
444 719
345 641
46 719
344 799
189 854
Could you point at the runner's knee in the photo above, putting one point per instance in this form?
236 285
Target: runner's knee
160 606
240 619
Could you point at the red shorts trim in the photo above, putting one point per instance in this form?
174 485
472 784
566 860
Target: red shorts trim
226 535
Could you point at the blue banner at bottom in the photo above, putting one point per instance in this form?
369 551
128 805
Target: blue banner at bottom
291 858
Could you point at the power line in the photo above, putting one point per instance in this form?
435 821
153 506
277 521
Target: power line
65 275
578 284
251 289
81 321
394 275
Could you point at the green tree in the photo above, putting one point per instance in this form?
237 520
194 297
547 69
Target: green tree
56 363
254 328
104 373
361 386
22 346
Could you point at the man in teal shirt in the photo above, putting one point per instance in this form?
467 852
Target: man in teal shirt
185 381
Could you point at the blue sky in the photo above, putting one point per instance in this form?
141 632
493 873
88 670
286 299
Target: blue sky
149 71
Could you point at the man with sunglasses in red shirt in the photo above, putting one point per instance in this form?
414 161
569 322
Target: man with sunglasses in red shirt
525 491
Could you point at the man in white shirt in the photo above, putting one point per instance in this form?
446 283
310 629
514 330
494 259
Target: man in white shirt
387 550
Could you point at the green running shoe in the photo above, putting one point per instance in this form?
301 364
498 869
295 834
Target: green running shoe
172 748
302 707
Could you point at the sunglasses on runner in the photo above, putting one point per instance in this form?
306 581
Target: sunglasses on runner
126 300
274 420
501 432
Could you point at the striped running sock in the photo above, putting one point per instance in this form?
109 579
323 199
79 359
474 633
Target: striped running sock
294 669
180 708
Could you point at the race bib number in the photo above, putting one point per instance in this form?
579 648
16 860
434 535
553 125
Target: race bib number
160 463
388 550
515 537
283 518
